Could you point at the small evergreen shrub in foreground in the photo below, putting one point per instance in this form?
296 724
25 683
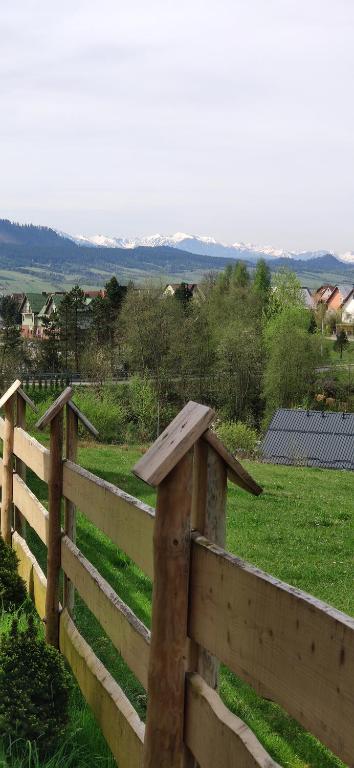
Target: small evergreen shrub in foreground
34 688
12 587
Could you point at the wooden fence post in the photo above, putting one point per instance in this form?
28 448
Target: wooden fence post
169 466
73 416
8 402
22 401
54 417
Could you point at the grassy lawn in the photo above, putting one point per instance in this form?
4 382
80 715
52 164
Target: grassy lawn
299 530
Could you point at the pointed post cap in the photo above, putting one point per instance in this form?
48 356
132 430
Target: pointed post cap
10 392
174 443
235 471
54 409
86 423
27 399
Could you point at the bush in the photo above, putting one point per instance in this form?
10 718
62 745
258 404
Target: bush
237 436
12 587
34 688
104 411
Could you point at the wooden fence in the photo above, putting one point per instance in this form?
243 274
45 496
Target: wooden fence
208 605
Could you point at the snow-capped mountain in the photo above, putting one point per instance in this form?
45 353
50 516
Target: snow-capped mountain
205 245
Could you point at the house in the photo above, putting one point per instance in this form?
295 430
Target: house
171 288
323 293
347 307
310 438
308 298
31 309
337 297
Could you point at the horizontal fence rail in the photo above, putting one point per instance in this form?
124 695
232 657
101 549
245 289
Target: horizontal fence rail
288 645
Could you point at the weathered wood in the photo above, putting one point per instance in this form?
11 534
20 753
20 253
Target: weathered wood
55 408
54 529
19 520
21 392
31 509
10 392
215 736
32 453
7 471
71 439
236 473
120 724
84 420
163 744
31 572
127 632
288 645
173 443
127 521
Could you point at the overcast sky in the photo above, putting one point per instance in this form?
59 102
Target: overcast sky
226 117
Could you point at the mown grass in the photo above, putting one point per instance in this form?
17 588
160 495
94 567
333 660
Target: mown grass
299 530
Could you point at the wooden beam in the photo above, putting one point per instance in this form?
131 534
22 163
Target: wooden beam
118 720
31 572
215 736
84 420
55 408
31 509
173 443
71 440
31 452
7 469
288 645
236 473
128 634
10 392
54 528
21 403
129 523
163 744
24 396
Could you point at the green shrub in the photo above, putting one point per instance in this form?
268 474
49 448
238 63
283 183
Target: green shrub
104 411
237 436
12 587
34 688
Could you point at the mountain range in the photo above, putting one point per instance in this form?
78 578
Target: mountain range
206 246
36 258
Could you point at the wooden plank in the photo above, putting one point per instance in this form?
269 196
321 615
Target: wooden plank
32 509
9 392
163 744
127 521
71 439
31 572
7 471
173 443
55 483
236 473
120 724
21 392
288 645
84 420
32 453
215 736
19 520
128 634
55 408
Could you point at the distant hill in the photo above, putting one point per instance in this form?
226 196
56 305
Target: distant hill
40 258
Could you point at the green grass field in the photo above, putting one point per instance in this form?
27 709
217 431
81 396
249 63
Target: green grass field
299 530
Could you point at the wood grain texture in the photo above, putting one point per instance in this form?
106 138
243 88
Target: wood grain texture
173 443
54 529
163 745
32 453
127 521
128 634
7 470
215 736
21 393
21 404
288 645
55 408
31 509
236 473
10 392
31 572
120 724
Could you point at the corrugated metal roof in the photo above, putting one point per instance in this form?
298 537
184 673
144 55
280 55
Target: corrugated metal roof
310 438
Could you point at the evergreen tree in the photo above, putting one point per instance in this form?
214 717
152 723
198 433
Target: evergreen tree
261 285
341 342
11 355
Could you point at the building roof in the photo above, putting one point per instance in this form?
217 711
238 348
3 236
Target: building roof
36 301
309 301
310 438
